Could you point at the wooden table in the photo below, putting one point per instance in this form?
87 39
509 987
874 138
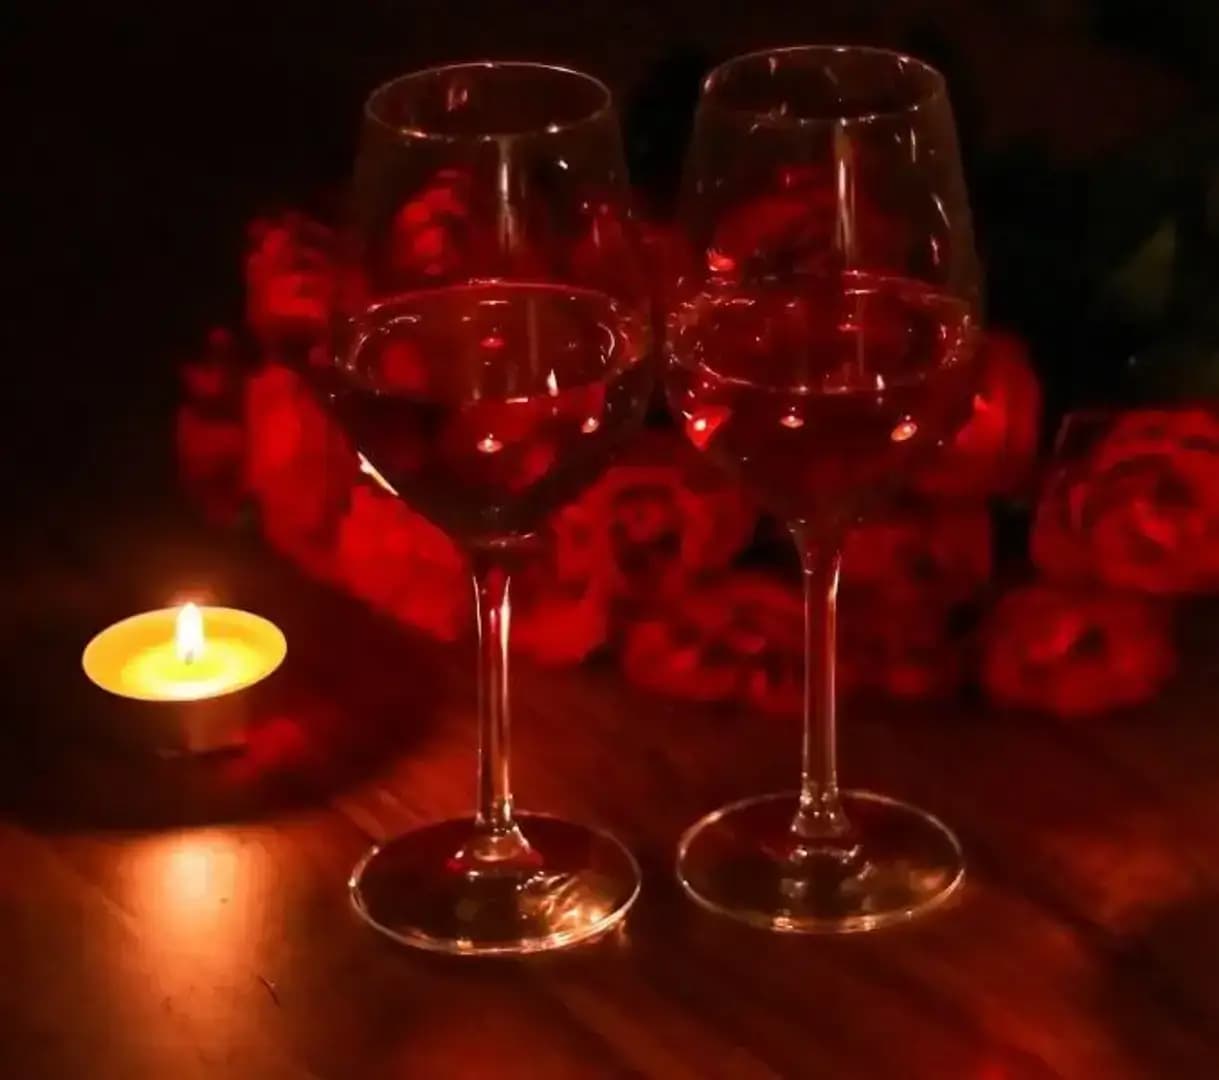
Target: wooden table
189 919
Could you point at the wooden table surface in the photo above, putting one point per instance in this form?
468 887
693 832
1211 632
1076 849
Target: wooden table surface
180 919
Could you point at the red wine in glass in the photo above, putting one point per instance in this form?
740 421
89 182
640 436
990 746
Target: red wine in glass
829 341
487 406
820 391
487 353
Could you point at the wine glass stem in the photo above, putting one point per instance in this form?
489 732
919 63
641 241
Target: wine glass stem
496 836
820 818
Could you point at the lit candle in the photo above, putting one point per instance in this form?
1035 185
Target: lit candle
192 661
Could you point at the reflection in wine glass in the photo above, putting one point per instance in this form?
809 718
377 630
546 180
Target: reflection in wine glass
827 338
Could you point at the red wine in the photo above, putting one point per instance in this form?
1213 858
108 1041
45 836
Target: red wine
820 391
488 406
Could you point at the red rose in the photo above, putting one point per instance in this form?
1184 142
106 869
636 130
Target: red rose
911 582
215 378
402 565
799 225
993 454
1140 510
607 255
556 622
298 465
213 385
209 432
669 263
439 235
290 279
653 521
210 453
913 651
208 447
430 235
908 582
288 429
921 553
1076 651
741 638
738 638
501 445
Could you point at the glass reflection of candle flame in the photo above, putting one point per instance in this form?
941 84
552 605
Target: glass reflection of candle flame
701 426
370 470
905 430
188 633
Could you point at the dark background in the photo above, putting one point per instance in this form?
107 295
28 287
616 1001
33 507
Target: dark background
144 136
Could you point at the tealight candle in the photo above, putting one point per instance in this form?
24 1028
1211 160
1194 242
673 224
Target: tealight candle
192 662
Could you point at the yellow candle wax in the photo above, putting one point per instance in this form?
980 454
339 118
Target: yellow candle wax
184 654
223 665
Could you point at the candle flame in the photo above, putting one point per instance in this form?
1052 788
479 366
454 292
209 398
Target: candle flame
188 635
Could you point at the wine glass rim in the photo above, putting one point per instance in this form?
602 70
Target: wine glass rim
936 90
600 110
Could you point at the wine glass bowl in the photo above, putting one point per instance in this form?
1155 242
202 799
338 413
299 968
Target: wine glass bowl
490 170
490 350
818 389
538 383
823 340
822 159
483 101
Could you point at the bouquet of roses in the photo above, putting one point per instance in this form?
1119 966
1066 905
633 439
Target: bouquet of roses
647 563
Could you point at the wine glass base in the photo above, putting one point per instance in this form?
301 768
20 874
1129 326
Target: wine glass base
578 885
742 861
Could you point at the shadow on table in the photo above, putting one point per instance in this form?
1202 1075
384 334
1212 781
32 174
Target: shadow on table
1170 961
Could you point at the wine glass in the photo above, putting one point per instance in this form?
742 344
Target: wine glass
825 337
490 352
